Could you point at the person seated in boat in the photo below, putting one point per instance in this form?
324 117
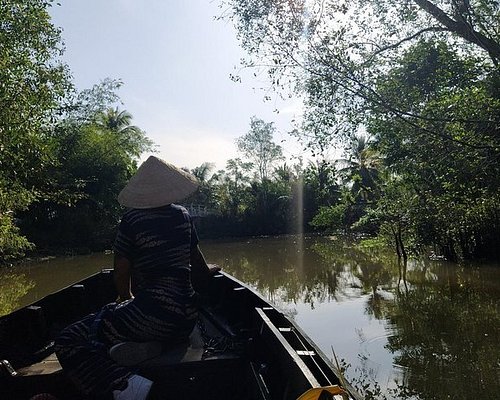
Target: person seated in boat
156 249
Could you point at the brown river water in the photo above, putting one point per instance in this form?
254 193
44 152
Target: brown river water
428 330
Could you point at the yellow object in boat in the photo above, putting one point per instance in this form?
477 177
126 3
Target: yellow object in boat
333 392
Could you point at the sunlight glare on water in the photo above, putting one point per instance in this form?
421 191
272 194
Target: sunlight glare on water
299 213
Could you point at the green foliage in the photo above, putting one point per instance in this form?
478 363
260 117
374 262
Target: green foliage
395 215
320 184
422 79
244 204
95 161
362 169
233 188
93 104
419 80
452 174
330 218
12 244
64 155
269 211
130 139
205 195
33 84
333 52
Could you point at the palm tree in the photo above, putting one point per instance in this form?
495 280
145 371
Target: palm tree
132 139
362 169
116 120
205 196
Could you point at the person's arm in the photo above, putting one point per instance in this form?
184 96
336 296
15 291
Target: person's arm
121 276
200 270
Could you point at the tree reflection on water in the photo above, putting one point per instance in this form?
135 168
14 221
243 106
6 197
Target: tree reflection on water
447 335
13 287
442 320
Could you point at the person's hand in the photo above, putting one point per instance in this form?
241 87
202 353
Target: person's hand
213 269
120 299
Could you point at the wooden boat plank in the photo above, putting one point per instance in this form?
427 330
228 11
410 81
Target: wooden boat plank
294 368
49 365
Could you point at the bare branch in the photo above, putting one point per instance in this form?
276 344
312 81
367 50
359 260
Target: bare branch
407 39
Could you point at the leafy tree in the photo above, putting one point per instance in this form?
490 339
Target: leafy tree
334 51
331 218
88 105
12 243
361 169
420 76
132 139
258 146
320 178
206 194
33 84
202 172
95 160
233 185
453 173
396 216
321 189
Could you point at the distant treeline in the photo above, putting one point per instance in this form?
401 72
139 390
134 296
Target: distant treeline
419 129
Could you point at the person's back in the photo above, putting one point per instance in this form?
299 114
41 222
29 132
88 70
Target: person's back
158 241
155 248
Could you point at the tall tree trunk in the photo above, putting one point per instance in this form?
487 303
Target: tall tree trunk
396 241
401 244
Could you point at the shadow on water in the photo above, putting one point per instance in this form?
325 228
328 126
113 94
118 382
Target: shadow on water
425 330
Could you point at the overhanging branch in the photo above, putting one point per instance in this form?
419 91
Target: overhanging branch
462 29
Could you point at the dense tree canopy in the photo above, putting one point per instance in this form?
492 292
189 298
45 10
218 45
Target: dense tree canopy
453 162
33 84
94 160
64 155
334 52
421 77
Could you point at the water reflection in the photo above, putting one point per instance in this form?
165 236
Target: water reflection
447 334
42 278
13 286
425 330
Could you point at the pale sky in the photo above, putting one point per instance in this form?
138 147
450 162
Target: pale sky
175 61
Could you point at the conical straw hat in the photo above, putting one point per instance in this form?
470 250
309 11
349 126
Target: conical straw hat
157 183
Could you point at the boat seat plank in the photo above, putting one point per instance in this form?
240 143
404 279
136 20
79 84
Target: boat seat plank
194 349
49 365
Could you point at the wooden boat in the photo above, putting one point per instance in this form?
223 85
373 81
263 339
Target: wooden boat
242 348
